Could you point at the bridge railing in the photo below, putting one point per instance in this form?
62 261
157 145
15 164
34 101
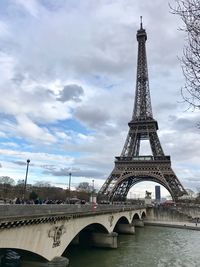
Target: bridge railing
20 211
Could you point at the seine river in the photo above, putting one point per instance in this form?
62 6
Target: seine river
149 247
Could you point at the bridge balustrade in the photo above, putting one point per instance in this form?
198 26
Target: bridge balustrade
19 211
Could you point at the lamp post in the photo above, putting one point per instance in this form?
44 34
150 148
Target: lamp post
70 177
25 182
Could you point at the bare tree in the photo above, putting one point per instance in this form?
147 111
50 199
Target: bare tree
42 184
189 12
7 180
84 186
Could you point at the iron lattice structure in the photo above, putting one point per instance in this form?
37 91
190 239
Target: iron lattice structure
130 167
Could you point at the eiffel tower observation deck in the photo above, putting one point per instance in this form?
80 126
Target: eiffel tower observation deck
130 167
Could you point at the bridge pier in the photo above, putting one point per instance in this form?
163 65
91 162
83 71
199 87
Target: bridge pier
56 262
104 240
138 223
123 228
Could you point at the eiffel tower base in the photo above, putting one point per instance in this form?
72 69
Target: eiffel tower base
129 171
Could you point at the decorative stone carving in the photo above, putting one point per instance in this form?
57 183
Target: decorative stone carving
110 219
56 232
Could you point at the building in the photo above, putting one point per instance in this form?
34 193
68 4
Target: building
157 194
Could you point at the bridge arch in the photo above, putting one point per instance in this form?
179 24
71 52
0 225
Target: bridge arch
95 227
24 253
136 217
121 220
143 216
84 235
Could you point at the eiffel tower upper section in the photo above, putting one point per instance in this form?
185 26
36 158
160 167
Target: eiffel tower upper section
130 167
142 124
142 107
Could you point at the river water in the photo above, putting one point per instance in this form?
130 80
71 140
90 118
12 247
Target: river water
149 247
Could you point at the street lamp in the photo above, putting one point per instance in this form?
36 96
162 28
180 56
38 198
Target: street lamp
70 177
25 182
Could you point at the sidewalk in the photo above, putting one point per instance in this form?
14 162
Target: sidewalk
182 225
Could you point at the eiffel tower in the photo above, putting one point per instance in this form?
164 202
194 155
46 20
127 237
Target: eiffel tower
130 167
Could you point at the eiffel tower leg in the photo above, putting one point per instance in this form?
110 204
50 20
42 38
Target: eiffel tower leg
155 144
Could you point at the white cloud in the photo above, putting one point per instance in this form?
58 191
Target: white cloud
38 157
4 30
32 6
26 128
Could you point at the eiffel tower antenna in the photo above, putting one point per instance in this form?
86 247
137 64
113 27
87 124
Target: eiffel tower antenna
140 22
132 168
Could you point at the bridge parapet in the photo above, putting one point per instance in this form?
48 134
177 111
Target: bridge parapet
7 211
20 215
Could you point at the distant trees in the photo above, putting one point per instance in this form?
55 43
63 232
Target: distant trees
41 189
46 192
6 185
19 188
33 195
189 12
42 184
20 182
9 190
84 186
7 180
84 191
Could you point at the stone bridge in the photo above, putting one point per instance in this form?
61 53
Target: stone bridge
47 230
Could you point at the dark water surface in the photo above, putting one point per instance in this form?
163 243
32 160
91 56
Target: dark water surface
149 247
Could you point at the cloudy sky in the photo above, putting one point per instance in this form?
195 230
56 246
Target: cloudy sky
67 83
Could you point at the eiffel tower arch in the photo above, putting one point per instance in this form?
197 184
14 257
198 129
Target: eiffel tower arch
130 167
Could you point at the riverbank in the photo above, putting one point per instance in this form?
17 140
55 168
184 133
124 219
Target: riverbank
174 224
